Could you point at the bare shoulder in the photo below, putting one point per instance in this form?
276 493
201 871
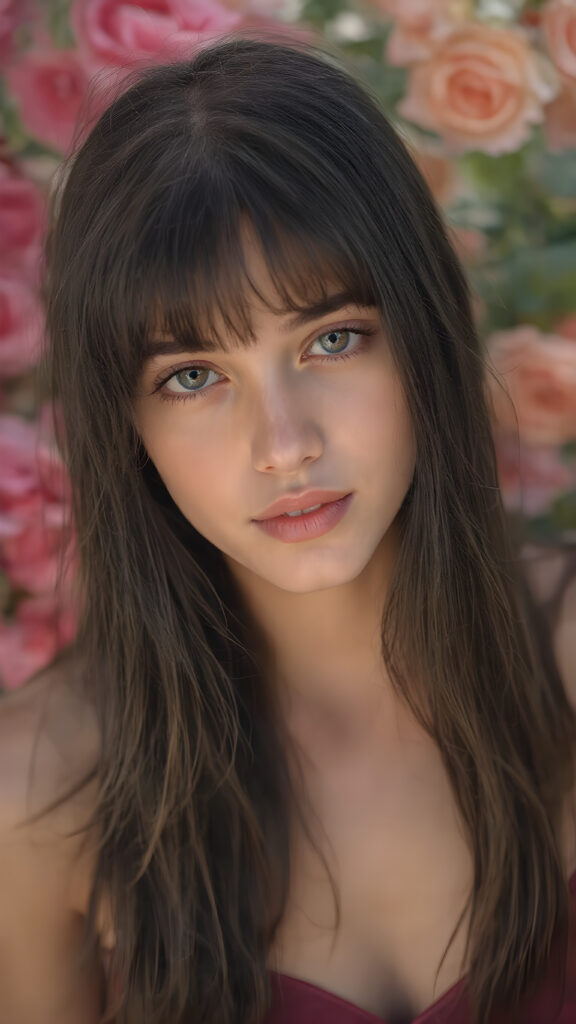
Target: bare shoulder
48 746
48 743
547 571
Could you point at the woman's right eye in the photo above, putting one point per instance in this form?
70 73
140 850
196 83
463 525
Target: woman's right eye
195 381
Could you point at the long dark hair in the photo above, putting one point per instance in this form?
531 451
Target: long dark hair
194 790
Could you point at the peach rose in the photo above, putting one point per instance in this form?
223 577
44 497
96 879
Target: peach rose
538 373
481 89
531 478
560 123
418 25
49 86
118 33
559 23
21 326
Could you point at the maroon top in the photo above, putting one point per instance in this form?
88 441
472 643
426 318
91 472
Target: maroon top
299 1002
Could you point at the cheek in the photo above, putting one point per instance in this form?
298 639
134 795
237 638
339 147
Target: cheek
193 466
381 421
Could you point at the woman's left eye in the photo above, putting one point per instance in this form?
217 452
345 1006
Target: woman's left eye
337 340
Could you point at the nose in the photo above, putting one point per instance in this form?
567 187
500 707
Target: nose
285 432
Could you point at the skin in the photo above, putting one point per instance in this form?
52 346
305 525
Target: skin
277 417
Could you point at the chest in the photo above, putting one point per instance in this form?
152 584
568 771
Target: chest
393 841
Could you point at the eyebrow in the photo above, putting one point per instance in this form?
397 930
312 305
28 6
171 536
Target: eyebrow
174 346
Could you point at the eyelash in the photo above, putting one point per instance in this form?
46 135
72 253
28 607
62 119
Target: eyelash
167 396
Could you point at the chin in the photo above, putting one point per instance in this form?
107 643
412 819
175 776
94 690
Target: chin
309 578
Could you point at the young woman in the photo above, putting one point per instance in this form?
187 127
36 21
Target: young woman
311 757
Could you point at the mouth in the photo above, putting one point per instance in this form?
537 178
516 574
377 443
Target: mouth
297 505
306 524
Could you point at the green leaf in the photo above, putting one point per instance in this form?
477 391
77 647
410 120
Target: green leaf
555 172
564 511
489 174
529 286
388 84
12 126
57 17
317 12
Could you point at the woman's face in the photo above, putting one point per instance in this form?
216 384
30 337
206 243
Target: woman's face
310 405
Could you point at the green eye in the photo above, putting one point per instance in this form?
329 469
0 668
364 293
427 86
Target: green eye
337 339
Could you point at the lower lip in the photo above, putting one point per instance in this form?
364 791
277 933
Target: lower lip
291 529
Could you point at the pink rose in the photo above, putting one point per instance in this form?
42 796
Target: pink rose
481 89
21 224
34 499
531 478
30 556
21 326
281 30
205 16
8 20
50 86
29 641
119 33
538 373
560 124
559 23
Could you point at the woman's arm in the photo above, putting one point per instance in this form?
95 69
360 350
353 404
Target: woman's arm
42 871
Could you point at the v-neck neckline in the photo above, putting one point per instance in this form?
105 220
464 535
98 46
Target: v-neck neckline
371 1018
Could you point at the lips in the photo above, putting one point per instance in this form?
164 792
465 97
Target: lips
298 502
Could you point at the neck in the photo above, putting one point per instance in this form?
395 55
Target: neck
324 647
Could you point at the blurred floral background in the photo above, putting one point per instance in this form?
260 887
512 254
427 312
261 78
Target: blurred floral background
484 93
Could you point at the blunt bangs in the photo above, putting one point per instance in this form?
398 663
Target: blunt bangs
198 290
204 300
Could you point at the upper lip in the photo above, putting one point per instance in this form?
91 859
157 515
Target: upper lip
297 502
